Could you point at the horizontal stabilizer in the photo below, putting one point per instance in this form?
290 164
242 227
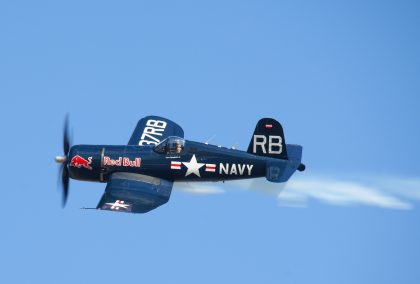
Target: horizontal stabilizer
282 170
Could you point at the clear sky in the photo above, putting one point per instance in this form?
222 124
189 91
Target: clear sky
341 76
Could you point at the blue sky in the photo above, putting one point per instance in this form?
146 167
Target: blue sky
341 77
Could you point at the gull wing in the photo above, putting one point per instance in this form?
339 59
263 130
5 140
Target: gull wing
153 129
134 193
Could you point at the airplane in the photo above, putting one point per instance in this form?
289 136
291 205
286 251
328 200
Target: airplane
140 175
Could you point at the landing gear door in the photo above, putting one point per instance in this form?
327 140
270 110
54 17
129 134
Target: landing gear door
103 176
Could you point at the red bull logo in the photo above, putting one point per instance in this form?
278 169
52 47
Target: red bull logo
122 162
78 162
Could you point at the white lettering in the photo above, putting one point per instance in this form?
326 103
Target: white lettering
154 128
277 144
146 142
149 136
241 169
233 170
249 167
260 142
224 169
153 131
156 123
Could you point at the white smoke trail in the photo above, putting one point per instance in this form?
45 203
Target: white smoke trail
383 192
201 188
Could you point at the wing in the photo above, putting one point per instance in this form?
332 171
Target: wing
135 193
153 129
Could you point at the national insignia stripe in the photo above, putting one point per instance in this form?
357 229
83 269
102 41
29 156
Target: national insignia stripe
175 165
210 168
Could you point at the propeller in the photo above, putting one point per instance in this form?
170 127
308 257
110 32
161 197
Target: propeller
63 160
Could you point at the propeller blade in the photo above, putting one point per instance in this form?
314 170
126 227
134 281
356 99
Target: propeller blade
63 160
66 138
65 183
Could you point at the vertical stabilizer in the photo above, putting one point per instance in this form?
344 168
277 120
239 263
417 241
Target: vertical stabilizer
268 140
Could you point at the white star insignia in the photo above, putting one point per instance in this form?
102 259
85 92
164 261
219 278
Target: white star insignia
118 204
193 167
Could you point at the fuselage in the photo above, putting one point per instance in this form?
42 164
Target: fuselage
196 162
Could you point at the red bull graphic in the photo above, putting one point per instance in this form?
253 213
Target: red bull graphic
78 162
122 162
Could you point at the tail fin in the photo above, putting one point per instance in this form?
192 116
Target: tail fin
268 140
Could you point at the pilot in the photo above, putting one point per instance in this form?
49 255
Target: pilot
178 147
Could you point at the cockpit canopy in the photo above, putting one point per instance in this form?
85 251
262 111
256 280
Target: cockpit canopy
171 145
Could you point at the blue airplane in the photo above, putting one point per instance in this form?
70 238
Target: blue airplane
140 175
